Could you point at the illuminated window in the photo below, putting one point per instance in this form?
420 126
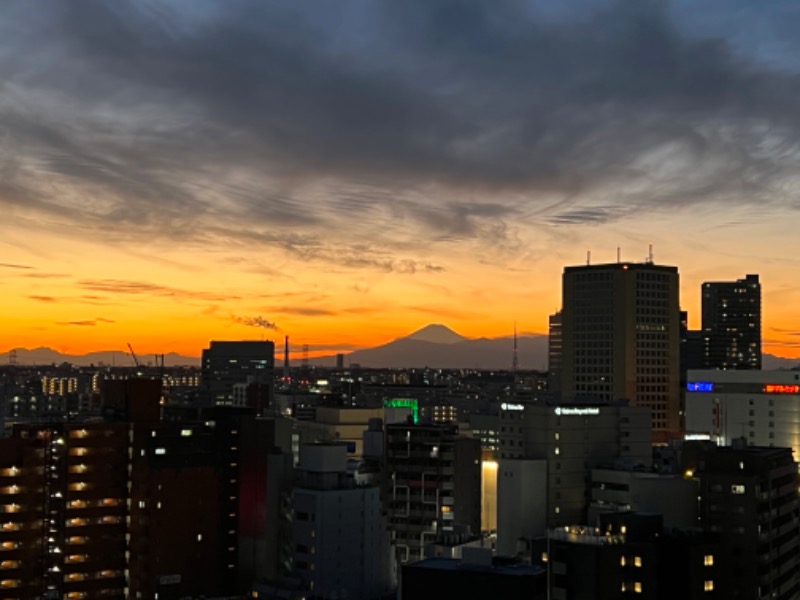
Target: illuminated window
75 558
9 564
544 556
622 561
708 560
186 432
637 561
623 530
637 587
708 586
623 587
737 489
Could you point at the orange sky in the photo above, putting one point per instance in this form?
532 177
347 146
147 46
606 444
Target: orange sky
78 295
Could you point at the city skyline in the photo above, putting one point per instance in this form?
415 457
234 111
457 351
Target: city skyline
174 173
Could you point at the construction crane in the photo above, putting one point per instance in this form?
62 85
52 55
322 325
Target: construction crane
133 354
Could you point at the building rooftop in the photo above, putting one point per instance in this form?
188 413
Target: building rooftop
454 564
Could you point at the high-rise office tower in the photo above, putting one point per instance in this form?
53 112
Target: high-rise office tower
226 364
621 336
732 323
547 454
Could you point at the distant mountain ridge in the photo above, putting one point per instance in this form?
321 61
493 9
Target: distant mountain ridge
439 347
119 358
435 346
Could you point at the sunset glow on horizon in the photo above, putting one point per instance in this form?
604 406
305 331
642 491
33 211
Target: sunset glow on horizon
352 173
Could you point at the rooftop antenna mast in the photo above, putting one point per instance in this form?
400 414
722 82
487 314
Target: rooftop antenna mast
588 257
650 254
515 359
619 255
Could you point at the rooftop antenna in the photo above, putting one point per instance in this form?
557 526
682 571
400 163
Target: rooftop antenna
588 257
619 254
650 254
515 359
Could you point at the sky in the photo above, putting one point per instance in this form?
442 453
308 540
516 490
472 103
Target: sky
347 172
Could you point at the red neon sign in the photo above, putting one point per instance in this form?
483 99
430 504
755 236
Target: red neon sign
777 388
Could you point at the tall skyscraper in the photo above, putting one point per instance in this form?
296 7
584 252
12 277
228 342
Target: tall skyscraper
621 336
732 323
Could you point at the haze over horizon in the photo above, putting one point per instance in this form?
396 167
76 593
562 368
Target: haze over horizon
176 172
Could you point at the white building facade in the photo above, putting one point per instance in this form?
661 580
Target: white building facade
342 545
761 406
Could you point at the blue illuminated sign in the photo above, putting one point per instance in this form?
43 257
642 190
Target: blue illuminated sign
699 386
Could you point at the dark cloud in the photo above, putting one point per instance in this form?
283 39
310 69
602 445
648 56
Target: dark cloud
87 322
12 266
790 332
43 298
135 288
44 276
456 119
305 311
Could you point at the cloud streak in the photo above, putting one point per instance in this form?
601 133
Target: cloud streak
143 288
86 323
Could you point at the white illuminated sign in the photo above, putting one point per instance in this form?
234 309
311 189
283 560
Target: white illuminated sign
570 411
506 406
696 436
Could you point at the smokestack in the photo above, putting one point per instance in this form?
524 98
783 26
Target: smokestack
286 357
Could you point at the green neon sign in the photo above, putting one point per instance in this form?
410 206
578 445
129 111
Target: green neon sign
404 403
